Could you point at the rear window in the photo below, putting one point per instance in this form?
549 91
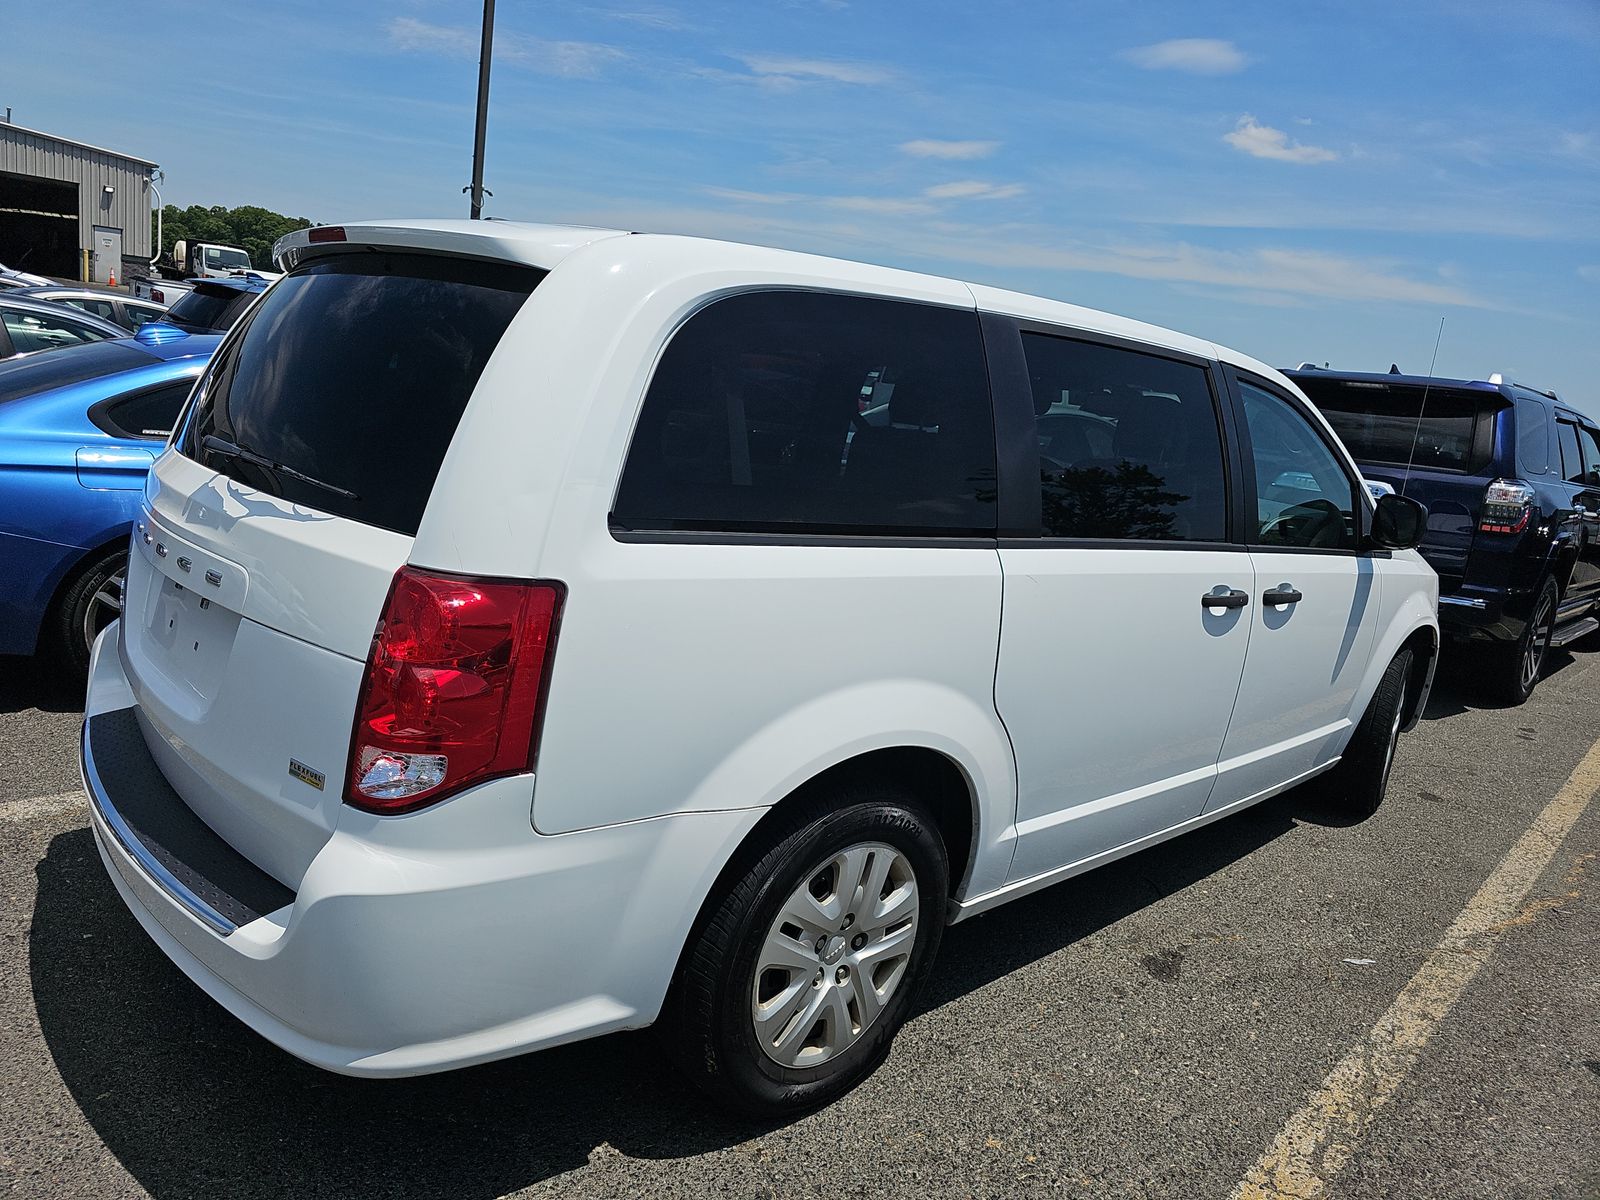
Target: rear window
803 412
1380 423
41 372
354 371
208 308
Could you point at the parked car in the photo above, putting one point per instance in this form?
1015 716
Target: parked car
526 638
1511 480
10 277
214 305
28 326
78 431
110 306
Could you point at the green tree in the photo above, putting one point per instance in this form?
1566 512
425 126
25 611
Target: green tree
251 228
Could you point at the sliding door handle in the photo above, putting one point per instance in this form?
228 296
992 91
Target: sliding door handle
1282 594
1232 598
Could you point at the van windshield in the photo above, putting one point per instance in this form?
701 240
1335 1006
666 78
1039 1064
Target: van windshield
346 382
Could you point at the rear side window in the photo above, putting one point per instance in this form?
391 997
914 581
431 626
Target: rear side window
150 413
1379 423
814 413
354 371
1129 445
1533 437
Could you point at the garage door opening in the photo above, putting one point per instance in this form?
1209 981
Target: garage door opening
39 225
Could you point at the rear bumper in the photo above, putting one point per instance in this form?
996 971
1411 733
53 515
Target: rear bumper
411 945
1485 614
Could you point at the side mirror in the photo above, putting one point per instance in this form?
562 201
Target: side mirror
1398 523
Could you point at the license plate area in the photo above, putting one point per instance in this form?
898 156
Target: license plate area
188 637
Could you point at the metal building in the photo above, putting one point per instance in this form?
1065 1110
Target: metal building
72 210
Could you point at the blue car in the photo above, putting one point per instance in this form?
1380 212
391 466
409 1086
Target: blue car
79 429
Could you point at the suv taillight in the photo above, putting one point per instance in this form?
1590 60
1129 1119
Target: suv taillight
454 688
1507 507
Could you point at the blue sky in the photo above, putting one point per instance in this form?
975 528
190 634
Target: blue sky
1308 181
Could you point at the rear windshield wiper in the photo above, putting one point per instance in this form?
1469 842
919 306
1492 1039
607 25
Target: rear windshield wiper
233 450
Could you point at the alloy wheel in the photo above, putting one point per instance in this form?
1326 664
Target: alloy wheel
835 955
1538 641
104 607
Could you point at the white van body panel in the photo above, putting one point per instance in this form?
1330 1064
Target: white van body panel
696 683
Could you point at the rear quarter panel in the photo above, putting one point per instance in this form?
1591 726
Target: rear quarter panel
701 677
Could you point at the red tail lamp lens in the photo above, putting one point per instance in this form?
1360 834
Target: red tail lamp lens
454 688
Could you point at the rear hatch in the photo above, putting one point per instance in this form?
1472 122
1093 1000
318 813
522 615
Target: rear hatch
1435 448
275 524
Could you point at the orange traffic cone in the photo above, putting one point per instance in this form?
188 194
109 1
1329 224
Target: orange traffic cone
113 277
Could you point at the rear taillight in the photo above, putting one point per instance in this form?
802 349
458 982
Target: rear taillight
1507 507
454 688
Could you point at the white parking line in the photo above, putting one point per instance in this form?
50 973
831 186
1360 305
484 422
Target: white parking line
1320 1138
34 807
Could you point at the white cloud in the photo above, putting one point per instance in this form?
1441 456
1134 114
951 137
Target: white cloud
973 189
568 59
1263 141
935 148
787 72
889 206
1197 56
408 33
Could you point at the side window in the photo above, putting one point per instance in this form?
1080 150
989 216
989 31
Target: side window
1571 457
807 412
1591 455
147 414
1128 444
1303 495
142 314
98 308
30 332
1533 437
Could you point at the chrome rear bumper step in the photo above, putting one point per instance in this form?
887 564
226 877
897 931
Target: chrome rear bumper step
178 851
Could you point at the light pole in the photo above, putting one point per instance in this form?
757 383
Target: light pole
484 56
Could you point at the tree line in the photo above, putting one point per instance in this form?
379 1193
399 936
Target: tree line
252 229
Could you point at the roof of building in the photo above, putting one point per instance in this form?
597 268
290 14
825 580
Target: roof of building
7 127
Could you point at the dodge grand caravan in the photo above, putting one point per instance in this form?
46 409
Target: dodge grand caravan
532 632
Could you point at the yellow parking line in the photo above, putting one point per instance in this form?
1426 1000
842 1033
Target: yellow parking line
1319 1139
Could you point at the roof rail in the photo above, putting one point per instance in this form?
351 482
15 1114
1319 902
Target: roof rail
1308 366
1499 380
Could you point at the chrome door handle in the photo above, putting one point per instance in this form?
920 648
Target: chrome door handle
1282 594
1232 598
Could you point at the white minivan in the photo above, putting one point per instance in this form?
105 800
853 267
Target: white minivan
533 632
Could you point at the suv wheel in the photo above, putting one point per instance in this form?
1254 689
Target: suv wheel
1518 671
92 602
805 966
1360 780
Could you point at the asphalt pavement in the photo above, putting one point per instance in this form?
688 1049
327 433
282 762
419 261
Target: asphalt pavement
1147 1030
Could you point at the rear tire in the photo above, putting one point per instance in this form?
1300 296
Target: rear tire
91 602
1357 785
1516 672
775 1015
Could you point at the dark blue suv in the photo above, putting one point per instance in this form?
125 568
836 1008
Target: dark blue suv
1511 480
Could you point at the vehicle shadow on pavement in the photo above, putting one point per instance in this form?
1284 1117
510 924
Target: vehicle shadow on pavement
35 683
191 1102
